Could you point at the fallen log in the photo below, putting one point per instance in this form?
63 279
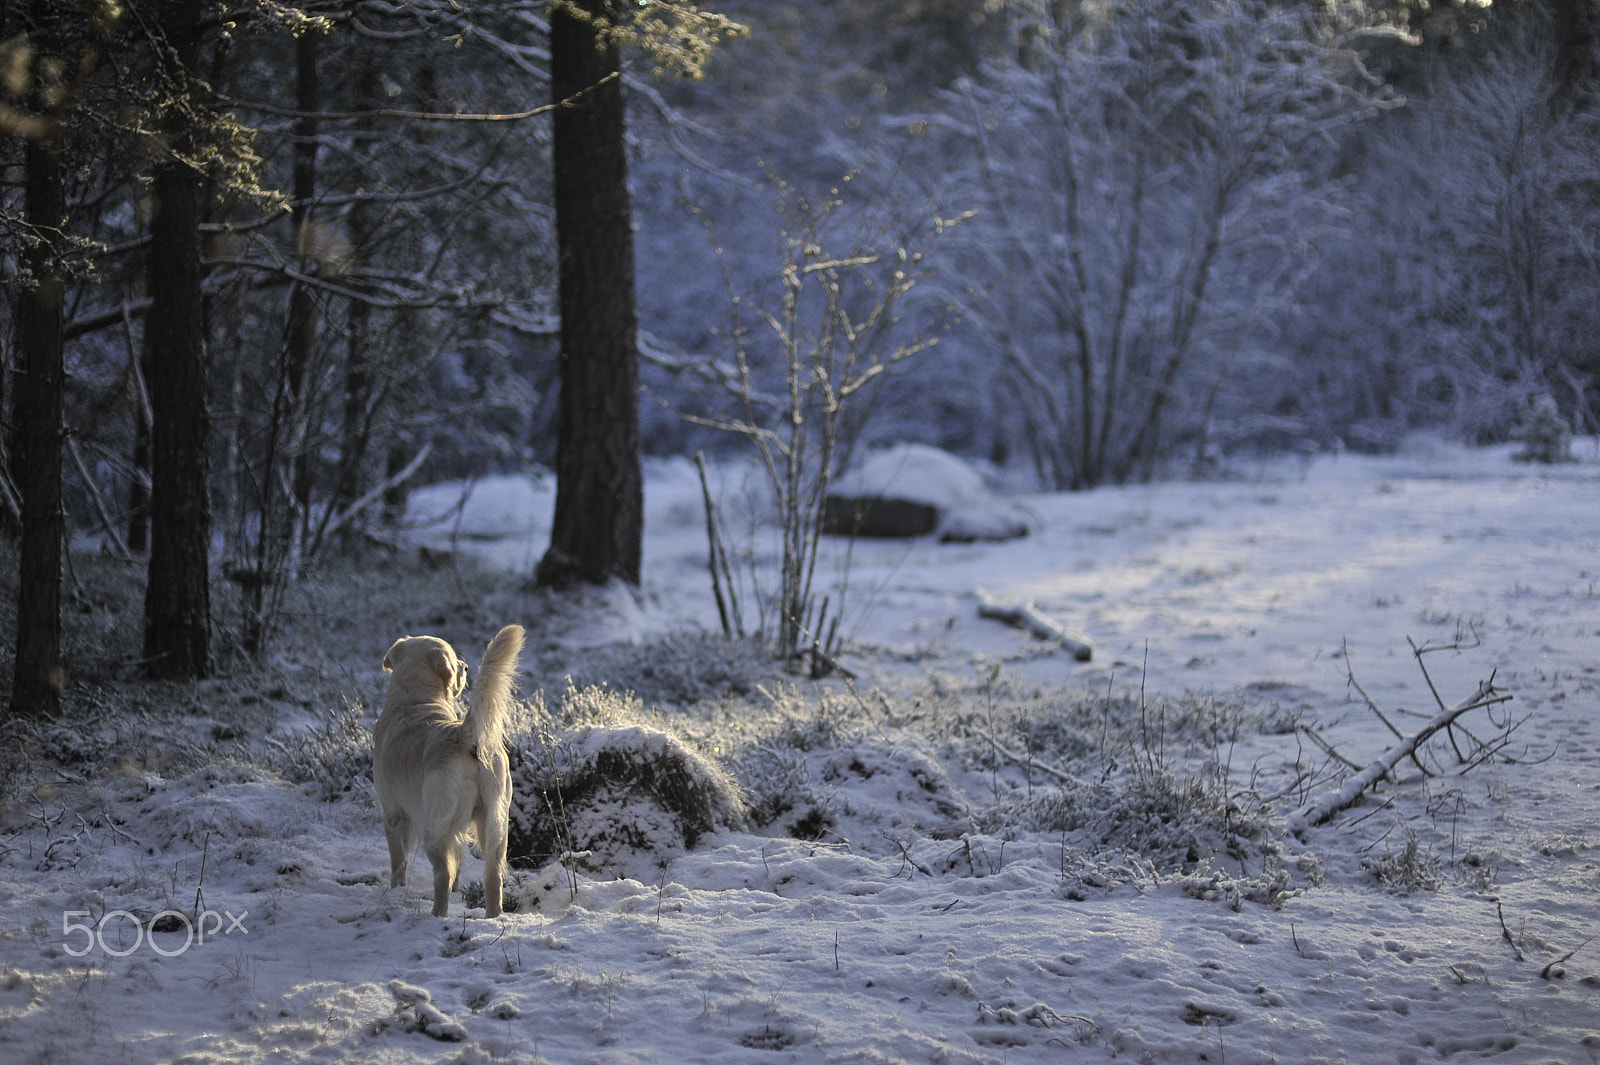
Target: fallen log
1027 616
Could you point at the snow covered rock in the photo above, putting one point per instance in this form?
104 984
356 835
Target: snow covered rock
913 490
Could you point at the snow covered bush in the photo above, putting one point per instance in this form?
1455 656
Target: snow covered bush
623 795
333 756
1546 437
823 773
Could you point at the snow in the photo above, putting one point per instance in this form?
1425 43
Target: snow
754 946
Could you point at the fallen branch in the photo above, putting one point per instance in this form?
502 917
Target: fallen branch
1028 763
1323 810
1029 617
332 522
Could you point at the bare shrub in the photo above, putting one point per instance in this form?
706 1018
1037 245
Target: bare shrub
807 356
333 755
1407 870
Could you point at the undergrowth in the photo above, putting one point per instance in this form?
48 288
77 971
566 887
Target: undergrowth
643 750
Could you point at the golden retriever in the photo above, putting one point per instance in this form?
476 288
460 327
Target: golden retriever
440 773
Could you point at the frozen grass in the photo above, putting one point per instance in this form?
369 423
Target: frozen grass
1132 788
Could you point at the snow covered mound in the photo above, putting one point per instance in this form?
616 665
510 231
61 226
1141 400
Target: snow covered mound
912 490
630 798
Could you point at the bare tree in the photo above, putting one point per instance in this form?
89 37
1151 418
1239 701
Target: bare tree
1147 179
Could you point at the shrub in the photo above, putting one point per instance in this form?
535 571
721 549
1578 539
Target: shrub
629 794
334 755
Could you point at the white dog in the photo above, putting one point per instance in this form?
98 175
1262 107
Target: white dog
439 772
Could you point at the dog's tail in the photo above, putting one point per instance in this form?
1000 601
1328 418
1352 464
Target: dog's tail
491 693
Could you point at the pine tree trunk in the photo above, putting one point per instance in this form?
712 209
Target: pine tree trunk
138 488
303 311
177 607
1576 68
38 677
356 436
599 514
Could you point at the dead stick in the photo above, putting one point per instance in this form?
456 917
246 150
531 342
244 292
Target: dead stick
711 541
1505 933
1028 616
1329 749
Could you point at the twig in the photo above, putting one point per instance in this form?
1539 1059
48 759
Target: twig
99 501
1028 763
1327 748
205 853
1544 974
711 540
1505 933
1429 648
1350 678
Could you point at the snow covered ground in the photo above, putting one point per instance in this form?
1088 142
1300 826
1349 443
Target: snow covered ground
1267 587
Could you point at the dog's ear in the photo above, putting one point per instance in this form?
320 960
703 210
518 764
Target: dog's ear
388 656
461 678
442 662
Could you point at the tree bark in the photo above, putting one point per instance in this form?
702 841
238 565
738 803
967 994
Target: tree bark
39 675
303 311
599 513
1577 50
177 607
358 416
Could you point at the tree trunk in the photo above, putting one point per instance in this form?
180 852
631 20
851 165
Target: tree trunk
356 437
599 514
1577 48
38 678
301 341
138 487
177 606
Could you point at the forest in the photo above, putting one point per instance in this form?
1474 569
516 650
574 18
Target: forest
1238 702
268 267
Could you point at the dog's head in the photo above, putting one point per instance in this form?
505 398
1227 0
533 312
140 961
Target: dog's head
429 661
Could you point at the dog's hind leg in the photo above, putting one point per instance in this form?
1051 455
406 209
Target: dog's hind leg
492 841
445 854
397 829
